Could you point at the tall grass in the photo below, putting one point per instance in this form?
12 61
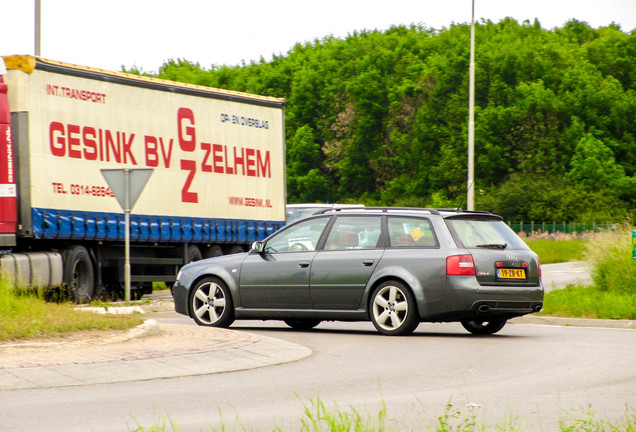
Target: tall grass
613 268
557 247
612 294
25 314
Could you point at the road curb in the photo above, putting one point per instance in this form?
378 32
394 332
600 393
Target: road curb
149 351
574 322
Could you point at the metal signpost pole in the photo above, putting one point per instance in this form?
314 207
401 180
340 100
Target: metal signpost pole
127 184
127 235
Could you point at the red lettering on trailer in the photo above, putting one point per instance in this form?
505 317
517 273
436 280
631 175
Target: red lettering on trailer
79 142
217 158
207 148
251 162
186 195
264 167
153 145
187 135
73 93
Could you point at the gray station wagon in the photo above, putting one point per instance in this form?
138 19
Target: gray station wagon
395 267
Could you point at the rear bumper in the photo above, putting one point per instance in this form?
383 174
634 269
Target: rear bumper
465 298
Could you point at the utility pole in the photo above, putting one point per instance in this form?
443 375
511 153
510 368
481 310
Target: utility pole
470 192
38 14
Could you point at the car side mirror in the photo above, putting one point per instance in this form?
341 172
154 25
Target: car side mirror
258 246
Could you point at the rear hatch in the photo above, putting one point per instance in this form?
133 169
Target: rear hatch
500 256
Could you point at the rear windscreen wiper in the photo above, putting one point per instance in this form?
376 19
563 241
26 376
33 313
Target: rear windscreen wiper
493 246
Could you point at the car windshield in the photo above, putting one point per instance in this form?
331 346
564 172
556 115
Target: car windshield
301 237
297 213
486 233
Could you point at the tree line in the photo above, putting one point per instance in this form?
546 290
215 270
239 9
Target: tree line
381 117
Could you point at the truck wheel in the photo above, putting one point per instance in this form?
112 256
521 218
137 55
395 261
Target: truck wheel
194 254
213 251
79 274
211 303
236 249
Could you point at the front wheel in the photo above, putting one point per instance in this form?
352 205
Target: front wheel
211 303
484 327
393 309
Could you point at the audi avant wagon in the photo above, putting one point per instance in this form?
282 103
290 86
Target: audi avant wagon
395 267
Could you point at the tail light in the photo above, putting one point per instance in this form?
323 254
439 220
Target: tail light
460 265
539 265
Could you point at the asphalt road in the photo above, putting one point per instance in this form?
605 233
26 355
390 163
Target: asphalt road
559 275
528 375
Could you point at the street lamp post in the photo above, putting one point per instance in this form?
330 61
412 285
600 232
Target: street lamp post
470 192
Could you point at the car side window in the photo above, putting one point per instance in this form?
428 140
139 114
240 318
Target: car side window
303 236
411 232
354 232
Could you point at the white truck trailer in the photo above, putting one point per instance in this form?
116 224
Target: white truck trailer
218 180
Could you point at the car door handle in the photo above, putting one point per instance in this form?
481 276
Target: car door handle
303 264
367 263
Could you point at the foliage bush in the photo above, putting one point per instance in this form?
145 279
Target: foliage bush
380 117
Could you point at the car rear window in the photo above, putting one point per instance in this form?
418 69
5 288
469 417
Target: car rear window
485 233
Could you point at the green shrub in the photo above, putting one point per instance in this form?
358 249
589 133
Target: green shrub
610 256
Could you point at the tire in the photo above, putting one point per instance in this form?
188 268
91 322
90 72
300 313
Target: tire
236 249
79 275
393 310
193 254
213 251
302 324
484 327
211 303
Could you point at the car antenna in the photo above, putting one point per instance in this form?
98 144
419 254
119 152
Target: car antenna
459 208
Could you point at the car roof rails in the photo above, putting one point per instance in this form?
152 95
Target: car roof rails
447 212
380 209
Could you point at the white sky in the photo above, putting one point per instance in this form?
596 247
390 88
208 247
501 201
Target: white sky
144 33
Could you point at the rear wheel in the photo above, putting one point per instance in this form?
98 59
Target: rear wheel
484 327
393 309
211 303
79 274
302 324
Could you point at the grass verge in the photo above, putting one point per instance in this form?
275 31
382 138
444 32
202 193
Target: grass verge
317 417
557 249
25 314
612 294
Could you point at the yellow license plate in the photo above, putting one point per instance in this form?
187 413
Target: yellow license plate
511 273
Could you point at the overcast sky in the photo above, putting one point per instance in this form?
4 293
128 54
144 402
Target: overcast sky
145 33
